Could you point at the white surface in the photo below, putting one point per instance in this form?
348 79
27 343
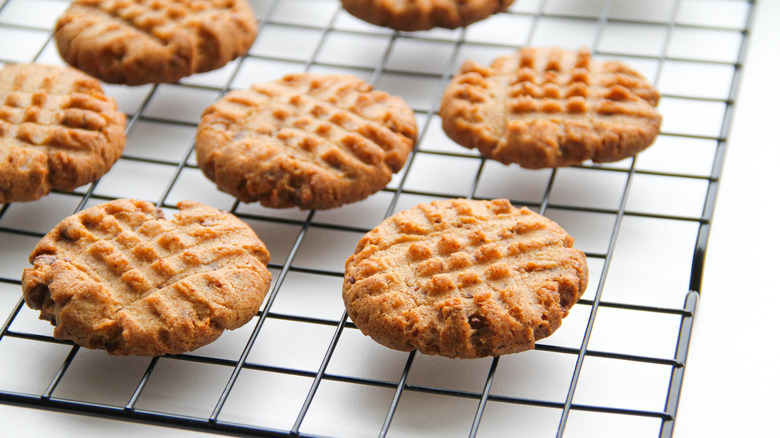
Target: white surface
731 386
32 423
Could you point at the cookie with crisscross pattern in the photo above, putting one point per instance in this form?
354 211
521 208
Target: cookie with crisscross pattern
153 41
121 277
463 278
550 107
314 141
58 130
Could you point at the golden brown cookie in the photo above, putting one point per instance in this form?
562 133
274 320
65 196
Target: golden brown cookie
121 277
413 15
463 278
58 131
137 42
541 108
308 140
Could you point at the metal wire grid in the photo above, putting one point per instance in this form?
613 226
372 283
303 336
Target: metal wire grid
485 403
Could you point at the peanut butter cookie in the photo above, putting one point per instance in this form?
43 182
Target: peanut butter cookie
413 15
137 42
307 140
540 107
463 278
58 131
121 277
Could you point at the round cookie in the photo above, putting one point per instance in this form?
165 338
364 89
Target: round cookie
413 15
137 42
541 107
308 140
58 131
121 277
463 278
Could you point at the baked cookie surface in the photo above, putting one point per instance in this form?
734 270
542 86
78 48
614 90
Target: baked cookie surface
137 42
413 15
58 131
307 140
121 277
463 278
550 107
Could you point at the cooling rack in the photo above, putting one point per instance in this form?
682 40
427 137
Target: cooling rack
301 368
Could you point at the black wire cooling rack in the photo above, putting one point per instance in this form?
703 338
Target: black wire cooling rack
301 368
